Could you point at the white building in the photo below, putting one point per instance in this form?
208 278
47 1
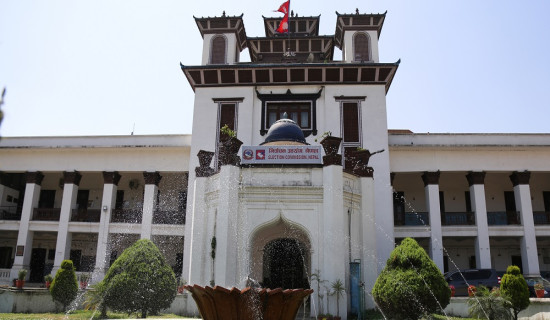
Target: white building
471 200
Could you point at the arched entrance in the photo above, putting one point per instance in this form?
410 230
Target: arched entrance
284 264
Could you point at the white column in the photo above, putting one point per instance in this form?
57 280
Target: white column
68 203
25 237
369 259
110 186
431 187
196 250
479 205
335 246
152 180
528 243
226 263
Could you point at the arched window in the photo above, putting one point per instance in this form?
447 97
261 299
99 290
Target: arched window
361 48
217 54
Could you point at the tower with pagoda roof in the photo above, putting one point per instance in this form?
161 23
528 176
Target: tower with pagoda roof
324 212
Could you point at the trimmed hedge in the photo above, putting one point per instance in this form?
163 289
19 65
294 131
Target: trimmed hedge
64 286
514 287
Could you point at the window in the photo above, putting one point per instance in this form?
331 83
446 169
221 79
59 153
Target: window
351 130
217 53
299 112
361 47
227 115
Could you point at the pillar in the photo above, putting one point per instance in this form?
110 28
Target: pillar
334 244
110 186
369 259
195 251
152 180
68 203
528 243
476 181
24 237
431 187
226 264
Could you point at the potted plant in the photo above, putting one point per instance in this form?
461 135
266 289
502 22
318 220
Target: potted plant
472 290
48 279
84 277
539 290
338 290
229 146
330 146
21 278
453 290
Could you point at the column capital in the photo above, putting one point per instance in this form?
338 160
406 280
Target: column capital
35 177
475 177
152 177
520 177
73 177
430 177
111 177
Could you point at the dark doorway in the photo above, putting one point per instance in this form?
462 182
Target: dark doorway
6 259
516 261
82 200
399 208
510 203
47 199
284 264
38 261
75 256
119 202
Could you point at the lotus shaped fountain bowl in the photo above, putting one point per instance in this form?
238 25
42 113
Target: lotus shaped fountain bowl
219 303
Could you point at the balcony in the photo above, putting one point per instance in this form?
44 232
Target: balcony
503 218
126 216
46 214
412 219
9 213
85 215
169 217
458 219
541 218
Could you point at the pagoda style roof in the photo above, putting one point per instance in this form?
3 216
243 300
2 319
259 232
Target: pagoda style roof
291 49
357 21
251 74
298 26
223 24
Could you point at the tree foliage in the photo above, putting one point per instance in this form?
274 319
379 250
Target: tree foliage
489 305
139 281
514 287
411 284
64 286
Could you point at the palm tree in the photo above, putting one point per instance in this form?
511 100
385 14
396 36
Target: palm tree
338 290
489 305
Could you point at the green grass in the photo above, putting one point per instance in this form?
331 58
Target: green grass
78 315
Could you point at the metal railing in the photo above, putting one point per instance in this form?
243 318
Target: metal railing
86 215
541 217
458 219
412 219
46 214
503 218
168 217
9 213
127 216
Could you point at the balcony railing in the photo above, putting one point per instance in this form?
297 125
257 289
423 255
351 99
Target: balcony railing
46 214
503 218
412 219
168 217
86 215
541 217
458 219
126 216
9 213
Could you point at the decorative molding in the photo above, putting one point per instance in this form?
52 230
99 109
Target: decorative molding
34 177
111 177
73 177
152 177
431 177
520 177
475 178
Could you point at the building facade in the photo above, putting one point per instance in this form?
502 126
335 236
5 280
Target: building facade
471 200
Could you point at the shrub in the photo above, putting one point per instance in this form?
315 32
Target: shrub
64 286
489 305
22 274
411 284
139 281
514 288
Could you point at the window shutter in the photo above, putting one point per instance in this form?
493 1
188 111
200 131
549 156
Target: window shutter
351 122
218 50
361 49
227 116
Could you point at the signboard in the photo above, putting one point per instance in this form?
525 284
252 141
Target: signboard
281 155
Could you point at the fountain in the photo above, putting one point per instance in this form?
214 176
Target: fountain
247 304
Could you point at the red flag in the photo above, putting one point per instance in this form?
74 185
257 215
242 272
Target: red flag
283 26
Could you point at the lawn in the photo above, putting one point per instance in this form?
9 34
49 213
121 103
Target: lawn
78 315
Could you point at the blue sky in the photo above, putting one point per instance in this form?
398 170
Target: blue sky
112 67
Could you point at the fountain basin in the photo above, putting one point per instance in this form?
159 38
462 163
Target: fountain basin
220 303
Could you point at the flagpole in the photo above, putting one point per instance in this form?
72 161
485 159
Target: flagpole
289 26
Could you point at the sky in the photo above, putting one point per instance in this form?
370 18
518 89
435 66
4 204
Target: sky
112 67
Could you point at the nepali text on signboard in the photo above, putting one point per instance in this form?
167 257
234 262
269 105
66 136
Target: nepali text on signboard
281 154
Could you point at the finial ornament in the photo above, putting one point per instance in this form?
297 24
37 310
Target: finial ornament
356 10
223 15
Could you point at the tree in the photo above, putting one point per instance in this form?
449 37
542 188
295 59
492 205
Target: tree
64 286
410 285
489 305
514 288
338 290
139 281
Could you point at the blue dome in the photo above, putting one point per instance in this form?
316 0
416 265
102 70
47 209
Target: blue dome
285 130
